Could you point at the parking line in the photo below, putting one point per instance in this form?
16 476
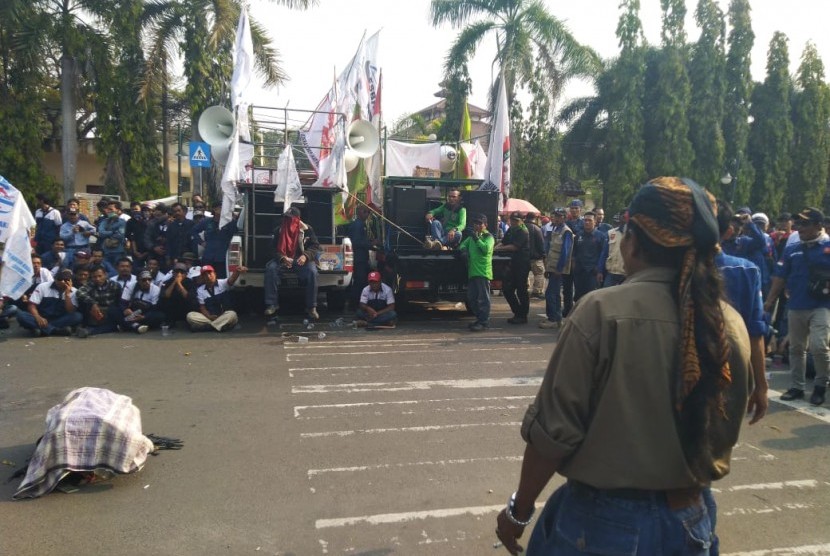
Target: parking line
292 370
805 550
417 385
290 356
360 468
801 406
425 428
300 408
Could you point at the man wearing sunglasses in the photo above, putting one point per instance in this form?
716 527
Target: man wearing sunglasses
52 308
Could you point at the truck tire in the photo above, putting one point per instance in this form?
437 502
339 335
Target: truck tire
336 300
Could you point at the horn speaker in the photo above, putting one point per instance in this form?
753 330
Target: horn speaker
448 158
362 138
216 127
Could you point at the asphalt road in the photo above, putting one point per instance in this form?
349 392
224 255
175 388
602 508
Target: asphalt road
363 443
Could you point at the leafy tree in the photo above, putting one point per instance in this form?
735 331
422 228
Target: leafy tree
706 73
456 88
668 149
771 134
738 95
811 139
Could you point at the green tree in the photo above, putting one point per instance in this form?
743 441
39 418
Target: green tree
668 149
455 89
706 73
811 137
771 134
738 95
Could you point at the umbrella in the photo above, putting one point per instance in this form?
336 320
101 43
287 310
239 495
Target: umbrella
520 205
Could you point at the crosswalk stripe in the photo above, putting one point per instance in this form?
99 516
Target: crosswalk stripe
425 428
360 468
290 356
300 408
416 385
292 370
806 550
801 406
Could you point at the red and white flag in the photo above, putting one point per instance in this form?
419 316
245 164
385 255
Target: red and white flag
497 171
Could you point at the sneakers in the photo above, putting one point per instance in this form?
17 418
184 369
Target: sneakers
478 327
517 320
550 325
313 314
817 397
82 332
65 331
793 394
361 323
37 333
270 310
142 329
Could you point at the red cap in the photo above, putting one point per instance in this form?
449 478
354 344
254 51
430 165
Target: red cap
374 276
207 268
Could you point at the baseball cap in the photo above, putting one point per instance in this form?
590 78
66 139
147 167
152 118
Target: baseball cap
83 254
180 266
64 274
744 210
560 211
760 217
575 203
207 268
515 215
145 274
811 214
198 213
189 256
374 276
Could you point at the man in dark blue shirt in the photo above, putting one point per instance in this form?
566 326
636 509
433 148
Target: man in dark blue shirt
588 245
804 269
362 244
215 239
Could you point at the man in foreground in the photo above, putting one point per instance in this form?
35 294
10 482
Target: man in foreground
377 305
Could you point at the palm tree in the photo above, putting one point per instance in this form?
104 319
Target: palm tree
526 35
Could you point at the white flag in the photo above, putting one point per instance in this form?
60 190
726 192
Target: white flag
374 164
497 172
288 188
15 221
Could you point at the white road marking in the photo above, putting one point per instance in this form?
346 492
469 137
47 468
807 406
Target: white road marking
818 412
801 484
360 468
300 408
426 428
764 509
442 340
806 550
289 356
416 385
292 370
406 516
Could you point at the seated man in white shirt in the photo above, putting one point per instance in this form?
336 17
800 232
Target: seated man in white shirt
377 305
52 308
140 305
215 305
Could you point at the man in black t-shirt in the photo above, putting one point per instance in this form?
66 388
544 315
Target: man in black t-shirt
516 243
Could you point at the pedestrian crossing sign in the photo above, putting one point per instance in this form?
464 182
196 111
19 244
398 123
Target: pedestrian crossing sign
199 154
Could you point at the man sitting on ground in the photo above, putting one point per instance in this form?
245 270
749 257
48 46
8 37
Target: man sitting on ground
52 308
124 276
101 299
178 295
377 305
54 260
215 305
140 305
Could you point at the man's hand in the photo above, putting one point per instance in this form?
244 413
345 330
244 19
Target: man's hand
242 269
509 533
600 278
301 260
451 235
758 403
96 313
287 262
41 322
213 317
429 217
768 305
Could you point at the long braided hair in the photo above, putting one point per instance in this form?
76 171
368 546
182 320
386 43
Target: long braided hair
675 222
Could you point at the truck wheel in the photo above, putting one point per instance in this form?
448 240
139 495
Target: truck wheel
336 301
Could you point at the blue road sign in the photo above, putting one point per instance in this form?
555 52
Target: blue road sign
199 154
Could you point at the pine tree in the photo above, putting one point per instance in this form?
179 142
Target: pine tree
771 134
706 73
738 94
811 139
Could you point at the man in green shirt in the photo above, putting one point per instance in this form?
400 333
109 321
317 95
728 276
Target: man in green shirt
447 222
479 250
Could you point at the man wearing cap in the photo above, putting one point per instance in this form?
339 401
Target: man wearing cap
537 256
611 265
215 304
576 223
75 234
766 256
296 247
112 233
214 240
178 295
804 269
588 245
557 264
52 308
516 244
100 299
377 304
140 305
479 250
447 222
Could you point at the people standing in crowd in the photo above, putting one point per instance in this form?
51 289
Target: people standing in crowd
101 301
478 248
804 269
140 305
136 231
75 234
537 256
178 295
783 229
575 222
611 265
178 235
52 308
296 247
447 222
742 290
74 204
601 224
155 237
214 240
516 244
215 303
377 305
363 243
557 265
685 395
588 244
48 222
112 235
55 259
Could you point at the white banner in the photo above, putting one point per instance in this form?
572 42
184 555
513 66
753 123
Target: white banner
15 222
289 189
402 158
497 173
476 158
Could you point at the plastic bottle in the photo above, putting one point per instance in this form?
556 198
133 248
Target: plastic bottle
321 336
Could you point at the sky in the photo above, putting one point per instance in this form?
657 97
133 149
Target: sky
315 44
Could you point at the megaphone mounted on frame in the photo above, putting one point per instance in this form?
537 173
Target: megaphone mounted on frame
362 138
217 127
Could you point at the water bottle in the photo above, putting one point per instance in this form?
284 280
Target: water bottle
339 322
321 336
305 322
310 326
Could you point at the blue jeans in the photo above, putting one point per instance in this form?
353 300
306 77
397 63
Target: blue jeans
612 280
381 319
27 320
437 231
306 274
478 295
579 522
553 298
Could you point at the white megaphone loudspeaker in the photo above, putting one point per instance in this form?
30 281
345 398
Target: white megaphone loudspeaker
351 160
217 127
362 138
448 158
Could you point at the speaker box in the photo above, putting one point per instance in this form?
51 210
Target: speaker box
408 207
482 202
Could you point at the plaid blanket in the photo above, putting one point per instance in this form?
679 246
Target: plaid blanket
92 429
